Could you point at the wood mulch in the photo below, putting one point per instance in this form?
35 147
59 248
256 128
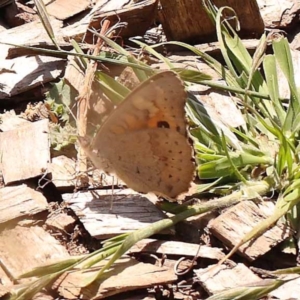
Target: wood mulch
45 218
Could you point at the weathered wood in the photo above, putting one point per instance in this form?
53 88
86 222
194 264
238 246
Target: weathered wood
176 248
61 222
20 201
138 16
126 275
188 22
26 13
42 296
64 9
221 108
39 69
130 211
217 278
63 172
24 248
290 290
279 14
231 226
10 121
25 151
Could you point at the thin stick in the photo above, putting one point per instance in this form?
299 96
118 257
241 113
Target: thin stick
84 97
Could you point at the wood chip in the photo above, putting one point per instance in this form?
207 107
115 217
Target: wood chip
288 291
42 296
10 121
61 221
232 225
24 248
279 14
63 172
176 248
64 9
138 17
217 278
25 151
20 201
130 211
126 275
39 69
188 21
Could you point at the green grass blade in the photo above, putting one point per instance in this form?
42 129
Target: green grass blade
283 57
269 65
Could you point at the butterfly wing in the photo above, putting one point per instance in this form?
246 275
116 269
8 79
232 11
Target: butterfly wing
144 141
157 102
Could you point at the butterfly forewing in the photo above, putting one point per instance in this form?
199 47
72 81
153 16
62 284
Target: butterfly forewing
144 140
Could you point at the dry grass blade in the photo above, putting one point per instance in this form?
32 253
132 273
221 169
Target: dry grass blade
42 12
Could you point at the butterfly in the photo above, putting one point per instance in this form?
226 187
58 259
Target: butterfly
144 141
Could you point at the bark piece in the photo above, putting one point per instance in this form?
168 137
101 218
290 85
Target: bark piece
42 296
20 201
139 16
126 275
10 121
61 221
130 211
279 14
289 290
176 248
217 278
63 172
64 9
15 78
39 70
231 226
188 22
24 248
25 151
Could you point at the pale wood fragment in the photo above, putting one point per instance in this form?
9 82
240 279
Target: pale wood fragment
25 151
130 211
42 296
64 9
20 201
24 248
217 278
61 221
138 18
39 69
176 248
10 121
232 225
279 14
290 290
63 172
188 22
127 274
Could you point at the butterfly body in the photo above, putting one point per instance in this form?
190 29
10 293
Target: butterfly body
144 141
